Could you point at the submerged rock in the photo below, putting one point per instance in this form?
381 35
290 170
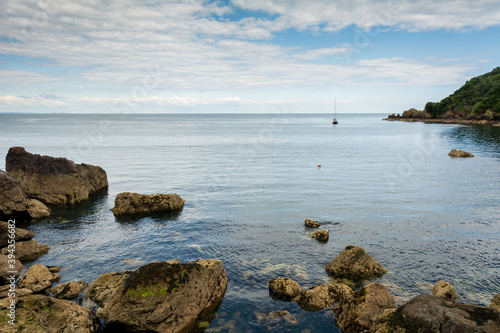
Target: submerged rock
39 313
361 312
275 319
321 236
38 278
5 268
459 153
426 313
29 250
444 290
15 202
20 234
323 296
284 288
311 224
161 296
355 264
135 203
54 180
68 290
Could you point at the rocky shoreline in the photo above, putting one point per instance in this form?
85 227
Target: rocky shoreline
413 115
171 296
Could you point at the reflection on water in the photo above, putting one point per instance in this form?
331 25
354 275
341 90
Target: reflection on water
389 187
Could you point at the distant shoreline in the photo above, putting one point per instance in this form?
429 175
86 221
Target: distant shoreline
447 121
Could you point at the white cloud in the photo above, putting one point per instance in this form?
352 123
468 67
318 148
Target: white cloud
113 47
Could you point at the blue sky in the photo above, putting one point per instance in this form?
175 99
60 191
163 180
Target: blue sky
241 55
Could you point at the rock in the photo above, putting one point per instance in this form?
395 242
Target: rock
7 290
444 290
38 278
14 202
39 313
54 269
319 297
360 312
275 319
29 250
459 153
134 203
68 290
284 288
495 301
37 209
54 180
161 296
311 224
6 267
355 264
426 313
20 234
321 235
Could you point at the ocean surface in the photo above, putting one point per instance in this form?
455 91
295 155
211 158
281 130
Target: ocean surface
250 181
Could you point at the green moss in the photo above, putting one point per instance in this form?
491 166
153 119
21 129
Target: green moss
148 291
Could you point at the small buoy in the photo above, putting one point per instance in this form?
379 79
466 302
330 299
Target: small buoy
319 165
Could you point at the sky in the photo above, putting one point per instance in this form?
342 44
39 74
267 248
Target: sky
242 55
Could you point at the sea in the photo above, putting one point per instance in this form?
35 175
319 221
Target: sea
250 181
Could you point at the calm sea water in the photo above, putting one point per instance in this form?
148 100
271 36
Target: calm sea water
249 182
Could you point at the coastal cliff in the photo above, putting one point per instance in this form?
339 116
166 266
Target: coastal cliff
476 102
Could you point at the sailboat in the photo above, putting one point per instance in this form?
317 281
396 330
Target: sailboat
335 116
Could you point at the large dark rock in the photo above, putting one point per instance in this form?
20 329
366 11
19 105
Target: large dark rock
430 314
354 263
135 203
54 180
27 251
20 234
161 296
361 312
14 202
39 313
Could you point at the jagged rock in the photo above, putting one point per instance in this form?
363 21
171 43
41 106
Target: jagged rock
430 314
6 267
29 250
38 278
54 180
321 236
68 290
284 288
39 313
495 301
355 264
311 224
161 296
15 202
135 203
459 153
323 296
275 319
20 234
444 290
360 312
7 290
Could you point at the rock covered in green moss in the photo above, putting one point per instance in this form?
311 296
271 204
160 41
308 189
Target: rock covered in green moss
161 296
